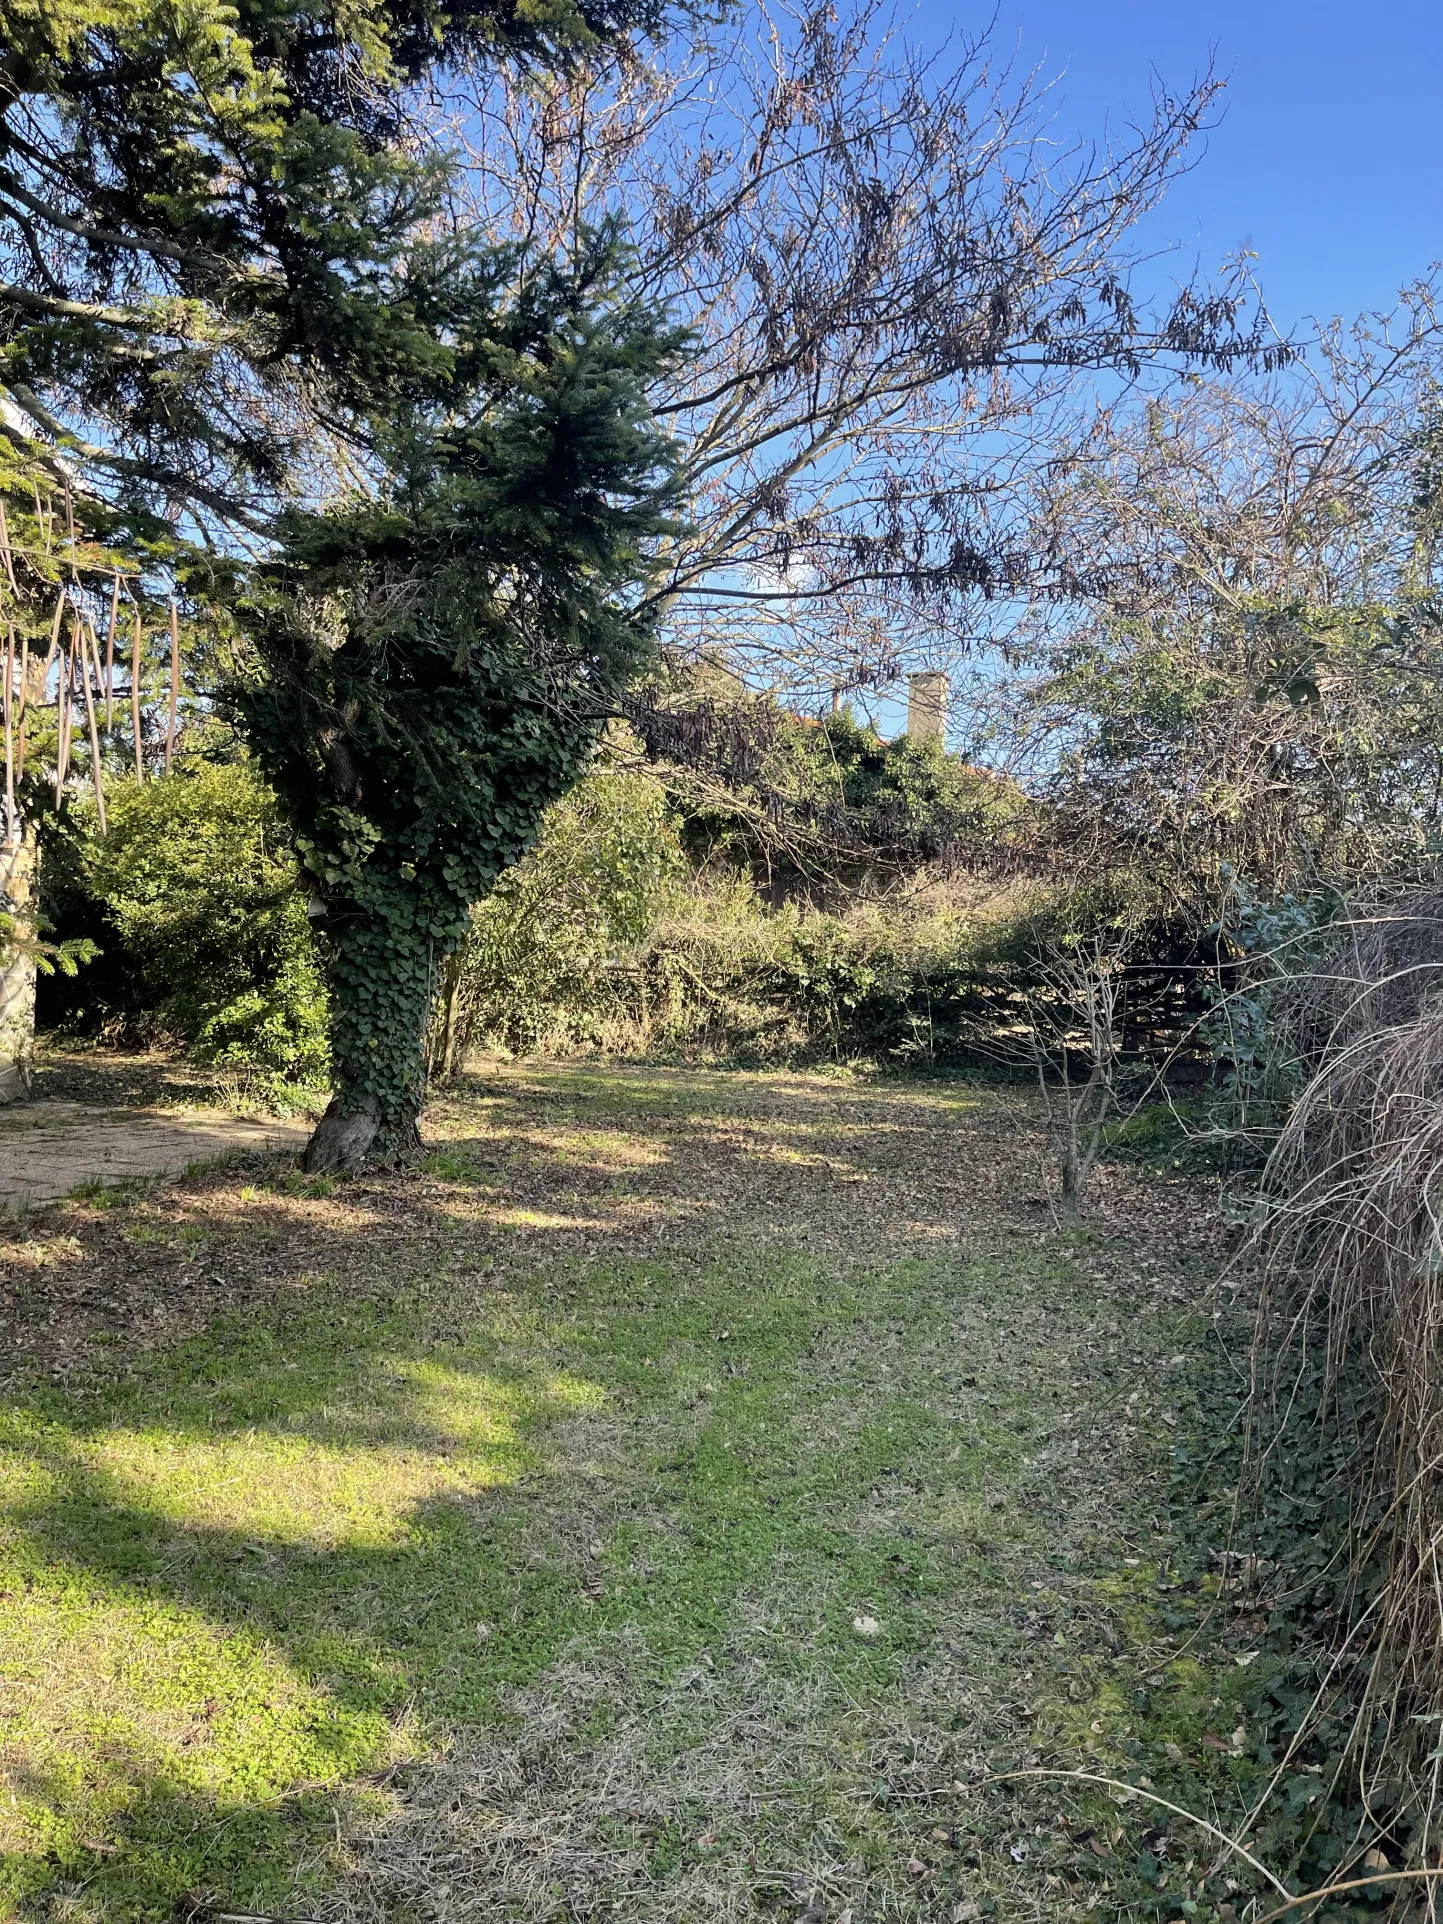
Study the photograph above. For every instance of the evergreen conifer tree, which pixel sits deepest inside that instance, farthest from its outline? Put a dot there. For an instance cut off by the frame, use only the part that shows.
(244, 326)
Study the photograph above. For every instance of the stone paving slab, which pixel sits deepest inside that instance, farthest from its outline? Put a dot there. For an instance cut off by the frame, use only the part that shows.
(49, 1149)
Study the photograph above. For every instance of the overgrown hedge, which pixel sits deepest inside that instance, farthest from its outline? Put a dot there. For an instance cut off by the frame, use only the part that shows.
(604, 937)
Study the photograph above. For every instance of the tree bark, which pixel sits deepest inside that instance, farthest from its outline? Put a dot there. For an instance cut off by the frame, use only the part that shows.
(381, 973)
(343, 1137)
(445, 1063)
(19, 878)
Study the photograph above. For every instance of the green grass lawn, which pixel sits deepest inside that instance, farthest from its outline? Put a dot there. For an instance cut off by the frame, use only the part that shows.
(669, 1503)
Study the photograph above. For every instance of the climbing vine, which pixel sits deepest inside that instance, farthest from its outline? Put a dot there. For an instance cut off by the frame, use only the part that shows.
(437, 660)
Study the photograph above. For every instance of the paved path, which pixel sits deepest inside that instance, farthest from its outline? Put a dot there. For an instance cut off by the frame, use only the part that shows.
(48, 1149)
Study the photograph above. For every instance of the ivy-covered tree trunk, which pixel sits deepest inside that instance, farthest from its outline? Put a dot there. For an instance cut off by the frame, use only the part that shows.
(381, 977)
(386, 960)
(437, 659)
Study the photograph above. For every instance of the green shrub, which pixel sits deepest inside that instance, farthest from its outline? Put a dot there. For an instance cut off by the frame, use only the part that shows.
(533, 972)
(193, 900)
(602, 939)
(925, 978)
(913, 795)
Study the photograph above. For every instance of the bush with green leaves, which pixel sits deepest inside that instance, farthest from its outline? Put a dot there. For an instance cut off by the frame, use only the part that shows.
(1279, 747)
(603, 937)
(818, 809)
(534, 967)
(193, 899)
(913, 797)
(613, 934)
(924, 978)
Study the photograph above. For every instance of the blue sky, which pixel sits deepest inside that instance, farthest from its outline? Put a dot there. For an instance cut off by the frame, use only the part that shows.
(1328, 156)
(1326, 159)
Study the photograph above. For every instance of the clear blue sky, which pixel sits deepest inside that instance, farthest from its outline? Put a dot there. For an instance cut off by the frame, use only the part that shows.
(1328, 157)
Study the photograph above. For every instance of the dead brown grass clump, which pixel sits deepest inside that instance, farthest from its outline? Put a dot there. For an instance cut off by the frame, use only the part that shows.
(1351, 1241)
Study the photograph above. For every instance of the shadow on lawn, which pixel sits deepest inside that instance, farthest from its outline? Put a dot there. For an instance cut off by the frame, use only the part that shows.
(228, 1602)
(332, 1517)
(251, 1565)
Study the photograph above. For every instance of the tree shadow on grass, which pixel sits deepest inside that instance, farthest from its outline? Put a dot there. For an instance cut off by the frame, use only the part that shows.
(280, 1556)
(221, 1589)
(324, 1518)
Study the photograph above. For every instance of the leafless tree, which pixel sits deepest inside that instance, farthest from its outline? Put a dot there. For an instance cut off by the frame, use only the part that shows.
(1076, 1010)
(1245, 680)
(893, 277)
(1311, 484)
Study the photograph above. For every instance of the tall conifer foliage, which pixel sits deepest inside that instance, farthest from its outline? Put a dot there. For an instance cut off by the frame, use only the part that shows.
(239, 311)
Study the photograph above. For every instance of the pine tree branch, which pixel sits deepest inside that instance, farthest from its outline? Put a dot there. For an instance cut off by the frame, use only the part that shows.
(107, 236)
(62, 309)
(182, 486)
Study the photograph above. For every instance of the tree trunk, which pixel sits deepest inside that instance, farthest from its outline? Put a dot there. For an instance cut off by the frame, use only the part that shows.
(343, 1137)
(446, 1042)
(1071, 1185)
(19, 877)
(381, 972)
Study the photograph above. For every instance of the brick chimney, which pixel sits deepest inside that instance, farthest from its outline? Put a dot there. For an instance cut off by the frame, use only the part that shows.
(927, 706)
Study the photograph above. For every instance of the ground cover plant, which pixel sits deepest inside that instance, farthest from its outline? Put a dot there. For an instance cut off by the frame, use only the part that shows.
(547, 1533)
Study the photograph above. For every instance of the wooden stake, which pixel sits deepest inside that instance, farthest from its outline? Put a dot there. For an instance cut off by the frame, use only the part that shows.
(24, 704)
(55, 630)
(88, 634)
(42, 521)
(174, 683)
(5, 549)
(135, 697)
(70, 532)
(71, 691)
(110, 651)
(50, 654)
(65, 712)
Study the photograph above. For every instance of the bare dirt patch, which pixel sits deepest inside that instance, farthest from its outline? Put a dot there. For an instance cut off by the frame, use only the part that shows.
(49, 1149)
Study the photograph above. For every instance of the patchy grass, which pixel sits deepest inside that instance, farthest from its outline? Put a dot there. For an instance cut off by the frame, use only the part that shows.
(671, 1502)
